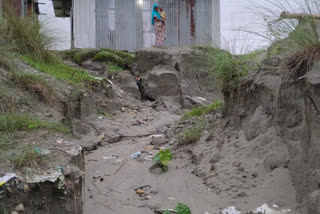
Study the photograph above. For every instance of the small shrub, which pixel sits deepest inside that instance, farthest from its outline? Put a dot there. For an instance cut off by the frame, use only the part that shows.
(109, 57)
(26, 157)
(202, 110)
(191, 135)
(37, 85)
(84, 54)
(163, 158)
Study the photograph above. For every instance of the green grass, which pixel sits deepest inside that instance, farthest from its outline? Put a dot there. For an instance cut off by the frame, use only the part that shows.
(191, 135)
(202, 110)
(83, 54)
(11, 122)
(60, 70)
(113, 69)
(128, 58)
(109, 57)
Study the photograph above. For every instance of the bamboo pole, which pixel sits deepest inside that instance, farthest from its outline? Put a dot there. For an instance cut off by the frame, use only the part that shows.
(286, 15)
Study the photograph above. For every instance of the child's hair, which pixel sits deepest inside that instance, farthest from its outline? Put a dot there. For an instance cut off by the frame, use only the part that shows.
(161, 9)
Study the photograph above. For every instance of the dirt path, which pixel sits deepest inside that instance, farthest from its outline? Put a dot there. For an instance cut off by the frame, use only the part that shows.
(112, 175)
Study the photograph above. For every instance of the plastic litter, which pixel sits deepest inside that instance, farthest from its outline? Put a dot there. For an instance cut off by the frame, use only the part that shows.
(110, 157)
(268, 210)
(231, 210)
(136, 155)
(6, 178)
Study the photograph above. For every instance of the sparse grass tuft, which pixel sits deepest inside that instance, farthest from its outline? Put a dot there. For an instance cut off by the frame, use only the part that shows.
(191, 135)
(83, 54)
(11, 122)
(113, 69)
(202, 110)
(37, 85)
(25, 157)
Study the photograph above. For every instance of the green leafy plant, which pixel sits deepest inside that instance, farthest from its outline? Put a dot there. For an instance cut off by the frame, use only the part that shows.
(183, 209)
(163, 158)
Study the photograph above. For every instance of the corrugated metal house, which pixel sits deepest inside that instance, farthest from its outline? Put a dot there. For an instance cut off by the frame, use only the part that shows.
(23, 7)
(126, 24)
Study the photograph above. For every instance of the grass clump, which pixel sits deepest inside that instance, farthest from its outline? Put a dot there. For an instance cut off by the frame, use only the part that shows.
(24, 34)
(191, 135)
(26, 157)
(226, 67)
(60, 70)
(11, 122)
(36, 84)
(202, 110)
(84, 54)
(109, 57)
(128, 58)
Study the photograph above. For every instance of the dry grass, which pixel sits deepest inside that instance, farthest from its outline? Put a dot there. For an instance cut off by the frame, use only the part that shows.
(37, 85)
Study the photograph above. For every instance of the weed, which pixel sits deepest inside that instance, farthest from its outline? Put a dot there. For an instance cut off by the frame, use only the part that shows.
(24, 34)
(202, 110)
(84, 54)
(26, 157)
(10, 122)
(191, 135)
(35, 84)
(103, 113)
(183, 209)
(60, 70)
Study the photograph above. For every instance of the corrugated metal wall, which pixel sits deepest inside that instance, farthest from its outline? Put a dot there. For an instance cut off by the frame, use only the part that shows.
(84, 23)
(126, 24)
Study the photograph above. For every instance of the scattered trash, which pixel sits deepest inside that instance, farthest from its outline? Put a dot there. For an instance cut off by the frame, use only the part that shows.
(149, 147)
(265, 209)
(275, 206)
(140, 191)
(6, 178)
(42, 151)
(136, 155)
(171, 198)
(231, 210)
(59, 141)
(19, 208)
(156, 135)
(110, 157)
(154, 192)
(137, 123)
(147, 197)
(145, 188)
(100, 117)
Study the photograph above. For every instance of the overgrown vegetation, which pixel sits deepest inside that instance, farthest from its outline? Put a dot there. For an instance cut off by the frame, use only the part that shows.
(191, 134)
(202, 110)
(163, 158)
(83, 54)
